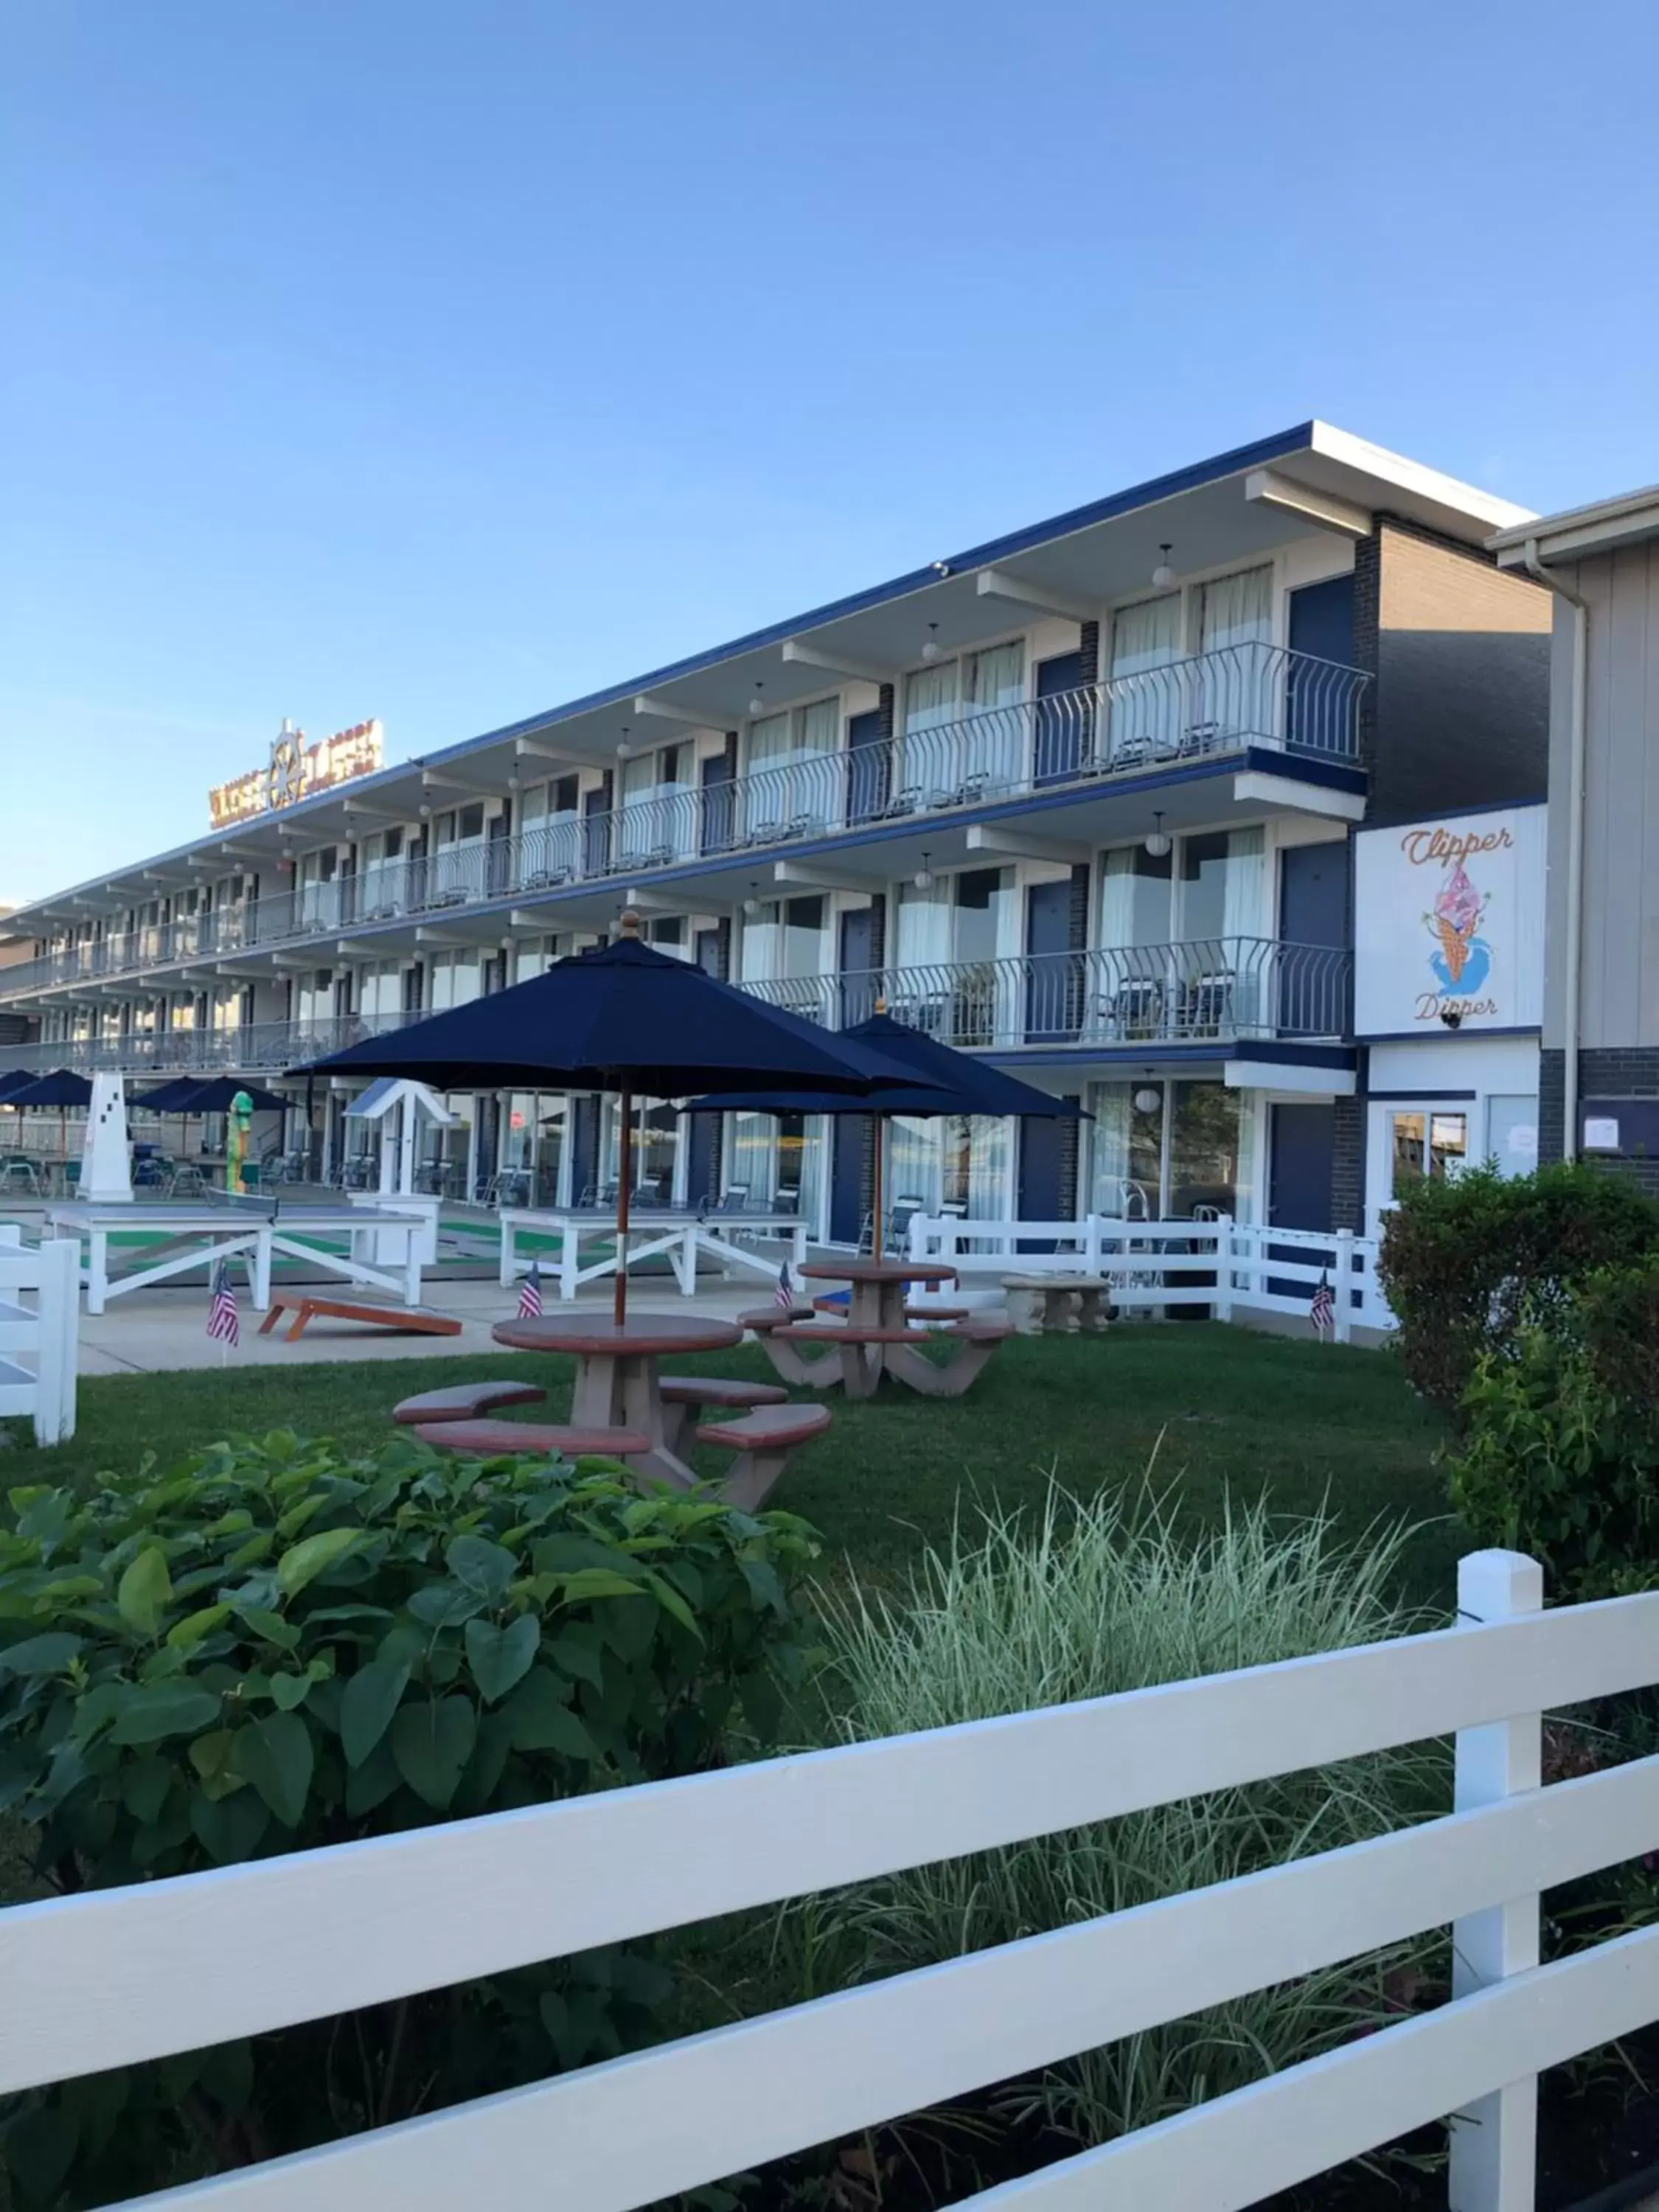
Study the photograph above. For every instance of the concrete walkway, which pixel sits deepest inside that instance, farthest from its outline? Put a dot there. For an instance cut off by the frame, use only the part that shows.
(157, 1331)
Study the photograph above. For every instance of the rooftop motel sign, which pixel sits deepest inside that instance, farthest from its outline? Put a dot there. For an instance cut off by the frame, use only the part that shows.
(296, 771)
(1448, 925)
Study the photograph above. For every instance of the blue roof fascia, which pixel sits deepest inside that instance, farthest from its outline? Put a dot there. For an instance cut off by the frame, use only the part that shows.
(1192, 478)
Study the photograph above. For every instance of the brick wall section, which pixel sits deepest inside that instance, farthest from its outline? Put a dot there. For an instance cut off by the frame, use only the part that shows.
(1551, 1100)
(1460, 653)
(1367, 599)
(1348, 1164)
(1621, 1072)
(1070, 1154)
(887, 707)
(1088, 648)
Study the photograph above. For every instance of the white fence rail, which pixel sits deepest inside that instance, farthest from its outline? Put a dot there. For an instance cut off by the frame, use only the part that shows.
(1228, 1267)
(682, 1239)
(40, 1321)
(114, 1977)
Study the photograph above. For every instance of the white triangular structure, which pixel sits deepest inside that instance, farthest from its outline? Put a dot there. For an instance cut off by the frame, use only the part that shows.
(105, 1161)
(416, 1100)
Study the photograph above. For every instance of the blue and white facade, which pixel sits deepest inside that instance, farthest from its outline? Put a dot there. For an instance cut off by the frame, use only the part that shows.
(1081, 799)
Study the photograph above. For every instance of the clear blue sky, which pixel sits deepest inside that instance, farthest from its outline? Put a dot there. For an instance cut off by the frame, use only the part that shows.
(443, 363)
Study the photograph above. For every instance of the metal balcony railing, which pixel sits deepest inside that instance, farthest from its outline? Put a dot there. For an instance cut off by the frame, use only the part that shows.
(1211, 705)
(1218, 990)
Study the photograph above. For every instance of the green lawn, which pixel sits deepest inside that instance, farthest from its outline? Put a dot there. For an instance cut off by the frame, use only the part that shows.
(1221, 1409)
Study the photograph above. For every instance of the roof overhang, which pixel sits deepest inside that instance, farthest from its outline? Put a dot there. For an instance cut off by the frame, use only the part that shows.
(1579, 534)
(1232, 508)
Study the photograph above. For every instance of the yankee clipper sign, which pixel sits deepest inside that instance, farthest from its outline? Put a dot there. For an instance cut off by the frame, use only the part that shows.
(1448, 924)
(296, 770)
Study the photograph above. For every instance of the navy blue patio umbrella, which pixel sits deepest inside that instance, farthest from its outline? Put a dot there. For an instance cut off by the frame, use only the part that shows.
(629, 1020)
(60, 1089)
(18, 1079)
(215, 1094)
(945, 1081)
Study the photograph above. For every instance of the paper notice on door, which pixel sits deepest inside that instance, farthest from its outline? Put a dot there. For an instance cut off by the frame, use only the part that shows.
(1601, 1133)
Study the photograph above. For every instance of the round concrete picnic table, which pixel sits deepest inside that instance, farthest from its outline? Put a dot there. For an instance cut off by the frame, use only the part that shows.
(876, 1338)
(617, 1377)
(877, 1285)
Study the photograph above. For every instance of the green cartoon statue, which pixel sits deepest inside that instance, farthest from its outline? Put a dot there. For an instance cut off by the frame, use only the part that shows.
(240, 1120)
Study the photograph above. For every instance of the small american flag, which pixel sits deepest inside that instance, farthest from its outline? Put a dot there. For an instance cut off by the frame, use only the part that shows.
(784, 1295)
(224, 1324)
(1322, 1312)
(530, 1297)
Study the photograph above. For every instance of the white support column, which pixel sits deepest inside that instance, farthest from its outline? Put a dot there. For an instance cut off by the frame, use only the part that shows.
(1494, 2143)
(799, 1250)
(570, 1260)
(58, 1343)
(505, 1273)
(97, 1269)
(412, 1239)
(1342, 1326)
(1224, 1268)
(258, 1269)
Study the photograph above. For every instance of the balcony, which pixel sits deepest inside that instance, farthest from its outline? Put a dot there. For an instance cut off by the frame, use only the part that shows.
(1219, 991)
(1216, 990)
(1209, 708)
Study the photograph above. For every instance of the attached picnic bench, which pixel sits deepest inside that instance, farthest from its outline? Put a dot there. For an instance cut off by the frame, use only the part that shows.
(680, 1392)
(494, 1439)
(1066, 1303)
(856, 1358)
(464, 1401)
(402, 1321)
(764, 1441)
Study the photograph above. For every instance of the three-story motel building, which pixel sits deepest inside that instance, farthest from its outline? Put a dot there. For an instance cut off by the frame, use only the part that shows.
(1080, 799)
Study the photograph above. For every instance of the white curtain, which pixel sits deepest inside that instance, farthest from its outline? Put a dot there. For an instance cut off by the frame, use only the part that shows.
(915, 1150)
(923, 936)
(1108, 1147)
(760, 947)
(1234, 629)
(820, 726)
(1146, 713)
(1242, 897)
(993, 741)
(988, 1148)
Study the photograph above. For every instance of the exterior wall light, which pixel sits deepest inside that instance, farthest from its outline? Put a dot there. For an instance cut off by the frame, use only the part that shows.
(1158, 840)
(1163, 575)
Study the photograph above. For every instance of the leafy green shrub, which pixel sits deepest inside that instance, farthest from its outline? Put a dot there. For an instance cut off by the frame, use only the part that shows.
(1559, 1459)
(1464, 1263)
(272, 1647)
(1088, 1601)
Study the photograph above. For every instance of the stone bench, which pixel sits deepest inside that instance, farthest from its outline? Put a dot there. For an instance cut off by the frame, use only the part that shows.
(464, 1401)
(678, 1394)
(1062, 1302)
(764, 1441)
(499, 1439)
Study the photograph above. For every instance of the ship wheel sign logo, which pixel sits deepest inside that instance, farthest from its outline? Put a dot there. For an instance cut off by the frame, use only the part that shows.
(288, 768)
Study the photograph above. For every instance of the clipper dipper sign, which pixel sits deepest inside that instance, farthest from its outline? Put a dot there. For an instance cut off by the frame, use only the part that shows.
(1448, 925)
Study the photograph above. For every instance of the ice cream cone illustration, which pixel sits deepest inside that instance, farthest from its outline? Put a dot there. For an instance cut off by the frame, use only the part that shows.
(1453, 924)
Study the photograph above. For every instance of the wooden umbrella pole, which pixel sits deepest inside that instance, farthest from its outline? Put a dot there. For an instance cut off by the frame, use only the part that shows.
(625, 1150)
(878, 1238)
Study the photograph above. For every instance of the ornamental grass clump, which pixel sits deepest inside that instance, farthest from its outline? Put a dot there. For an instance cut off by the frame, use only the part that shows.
(1088, 1599)
(275, 1646)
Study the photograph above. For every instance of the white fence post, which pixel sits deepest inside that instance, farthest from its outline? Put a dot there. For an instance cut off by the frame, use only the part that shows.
(1342, 1325)
(1494, 2143)
(1223, 1268)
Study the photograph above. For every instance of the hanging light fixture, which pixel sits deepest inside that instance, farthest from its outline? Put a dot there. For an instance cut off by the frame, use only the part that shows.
(1163, 575)
(1147, 1100)
(923, 877)
(931, 650)
(757, 705)
(1158, 840)
(751, 905)
(624, 749)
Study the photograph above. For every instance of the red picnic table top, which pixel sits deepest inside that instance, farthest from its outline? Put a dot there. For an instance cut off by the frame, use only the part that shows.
(878, 1271)
(641, 1336)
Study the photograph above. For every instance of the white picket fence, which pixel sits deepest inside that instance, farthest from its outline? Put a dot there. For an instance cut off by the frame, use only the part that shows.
(109, 1977)
(39, 1333)
(1229, 1267)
